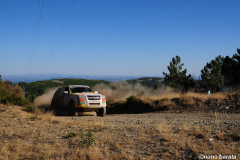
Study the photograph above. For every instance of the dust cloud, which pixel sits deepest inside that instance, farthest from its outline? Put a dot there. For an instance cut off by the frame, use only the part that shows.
(117, 91)
(45, 100)
(122, 90)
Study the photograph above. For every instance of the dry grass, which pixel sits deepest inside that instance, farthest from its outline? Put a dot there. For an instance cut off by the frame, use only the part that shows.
(178, 102)
(168, 96)
(199, 140)
(190, 95)
(43, 136)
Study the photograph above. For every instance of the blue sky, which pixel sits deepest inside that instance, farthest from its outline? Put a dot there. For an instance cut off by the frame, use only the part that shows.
(115, 37)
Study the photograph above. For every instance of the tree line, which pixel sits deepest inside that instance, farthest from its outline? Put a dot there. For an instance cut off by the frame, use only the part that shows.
(216, 73)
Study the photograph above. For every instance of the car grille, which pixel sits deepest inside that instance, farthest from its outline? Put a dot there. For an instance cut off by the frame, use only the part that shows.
(93, 97)
(94, 104)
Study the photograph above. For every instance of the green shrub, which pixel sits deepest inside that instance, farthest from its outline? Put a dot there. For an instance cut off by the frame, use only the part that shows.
(188, 102)
(171, 106)
(87, 139)
(164, 100)
(31, 98)
(131, 99)
(236, 134)
(30, 108)
(10, 94)
(71, 134)
(33, 118)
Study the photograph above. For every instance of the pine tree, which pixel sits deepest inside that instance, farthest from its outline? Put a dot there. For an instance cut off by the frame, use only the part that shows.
(236, 67)
(212, 74)
(229, 70)
(176, 77)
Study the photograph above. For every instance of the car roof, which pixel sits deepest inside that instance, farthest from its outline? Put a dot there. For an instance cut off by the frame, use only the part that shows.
(73, 86)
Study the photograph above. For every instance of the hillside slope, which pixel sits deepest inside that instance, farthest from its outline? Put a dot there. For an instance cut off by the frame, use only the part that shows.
(149, 81)
(38, 88)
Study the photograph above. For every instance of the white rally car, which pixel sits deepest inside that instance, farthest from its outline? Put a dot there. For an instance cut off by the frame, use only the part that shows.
(79, 98)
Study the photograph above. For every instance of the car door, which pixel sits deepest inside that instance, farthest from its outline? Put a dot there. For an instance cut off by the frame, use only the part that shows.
(61, 98)
(56, 96)
(66, 96)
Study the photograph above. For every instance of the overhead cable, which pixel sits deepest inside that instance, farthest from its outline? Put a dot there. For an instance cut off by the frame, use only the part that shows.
(56, 39)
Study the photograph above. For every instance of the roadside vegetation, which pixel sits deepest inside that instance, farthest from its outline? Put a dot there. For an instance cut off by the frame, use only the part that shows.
(13, 95)
(177, 103)
(44, 136)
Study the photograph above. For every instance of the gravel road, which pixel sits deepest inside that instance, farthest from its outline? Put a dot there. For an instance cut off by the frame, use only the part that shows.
(148, 119)
(131, 127)
(121, 136)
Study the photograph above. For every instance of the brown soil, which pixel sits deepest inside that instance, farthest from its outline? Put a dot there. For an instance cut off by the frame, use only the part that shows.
(117, 136)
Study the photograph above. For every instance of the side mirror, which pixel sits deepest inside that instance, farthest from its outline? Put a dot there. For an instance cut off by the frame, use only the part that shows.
(96, 92)
(65, 92)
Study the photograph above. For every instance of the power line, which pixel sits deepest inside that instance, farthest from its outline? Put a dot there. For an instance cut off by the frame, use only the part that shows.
(40, 33)
(56, 40)
(32, 41)
(33, 55)
(42, 27)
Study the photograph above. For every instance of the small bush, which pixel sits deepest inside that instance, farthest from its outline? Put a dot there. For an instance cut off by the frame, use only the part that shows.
(31, 98)
(33, 118)
(171, 106)
(188, 102)
(131, 99)
(71, 134)
(164, 100)
(30, 108)
(236, 134)
(176, 100)
(237, 96)
(10, 94)
(199, 101)
(87, 139)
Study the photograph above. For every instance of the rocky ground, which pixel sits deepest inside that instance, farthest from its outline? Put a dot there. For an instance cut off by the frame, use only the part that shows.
(117, 136)
(148, 120)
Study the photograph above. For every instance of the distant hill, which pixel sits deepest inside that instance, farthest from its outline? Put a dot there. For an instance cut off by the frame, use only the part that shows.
(38, 88)
(149, 81)
(37, 77)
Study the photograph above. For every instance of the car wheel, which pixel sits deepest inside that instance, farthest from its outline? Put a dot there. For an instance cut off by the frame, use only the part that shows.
(101, 112)
(72, 109)
(55, 108)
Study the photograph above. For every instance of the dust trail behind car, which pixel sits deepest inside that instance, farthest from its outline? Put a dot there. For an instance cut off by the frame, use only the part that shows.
(117, 90)
(122, 90)
(45, 100)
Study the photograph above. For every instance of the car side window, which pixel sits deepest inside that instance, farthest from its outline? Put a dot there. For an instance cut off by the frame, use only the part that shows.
(66, 89)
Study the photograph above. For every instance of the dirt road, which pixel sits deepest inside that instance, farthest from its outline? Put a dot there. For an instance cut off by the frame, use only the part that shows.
(119, 136)
(214, 120)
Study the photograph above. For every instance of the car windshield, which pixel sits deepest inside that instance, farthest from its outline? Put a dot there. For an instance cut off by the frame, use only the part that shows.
(81, 89)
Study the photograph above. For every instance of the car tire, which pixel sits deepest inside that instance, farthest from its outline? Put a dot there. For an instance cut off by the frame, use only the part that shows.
(55, 108)
(72, 109)
(101, 112)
